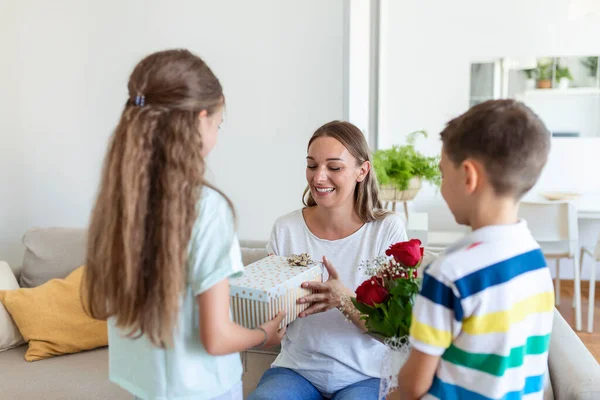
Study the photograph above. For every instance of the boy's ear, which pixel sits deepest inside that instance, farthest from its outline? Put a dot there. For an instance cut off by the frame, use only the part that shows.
(472, 175)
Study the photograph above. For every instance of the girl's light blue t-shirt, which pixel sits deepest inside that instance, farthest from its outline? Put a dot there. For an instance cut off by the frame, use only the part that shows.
(186, 371)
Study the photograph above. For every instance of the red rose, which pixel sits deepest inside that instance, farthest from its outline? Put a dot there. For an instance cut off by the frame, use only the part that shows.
(408, 253)
(371, 292)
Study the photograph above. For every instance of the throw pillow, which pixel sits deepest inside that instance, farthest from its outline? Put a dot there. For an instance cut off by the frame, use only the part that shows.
(252, 255)
(9, 333)
(52, 319)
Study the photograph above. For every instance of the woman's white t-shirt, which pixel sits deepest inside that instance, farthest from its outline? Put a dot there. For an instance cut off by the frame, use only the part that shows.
(324, 348)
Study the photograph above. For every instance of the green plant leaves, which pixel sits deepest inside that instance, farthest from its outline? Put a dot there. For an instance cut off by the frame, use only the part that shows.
(591, 63)
(396, 306)
(392, 318)
(404, 288)
(544, 70)
(362, 307)
(381, 325)
(398, 165)
(563, 72)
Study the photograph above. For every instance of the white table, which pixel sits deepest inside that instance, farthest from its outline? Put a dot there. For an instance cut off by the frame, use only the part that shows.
(443, 239)
(588, 206)
(416, 226)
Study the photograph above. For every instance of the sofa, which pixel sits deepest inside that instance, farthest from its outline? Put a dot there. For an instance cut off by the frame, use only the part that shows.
(54, 252)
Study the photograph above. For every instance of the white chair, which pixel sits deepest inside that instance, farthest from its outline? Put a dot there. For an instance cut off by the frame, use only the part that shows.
(554, 226)
(443, 239)
(592, 291)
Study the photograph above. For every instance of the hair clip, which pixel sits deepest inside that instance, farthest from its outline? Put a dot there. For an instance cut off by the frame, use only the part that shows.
(140, 101)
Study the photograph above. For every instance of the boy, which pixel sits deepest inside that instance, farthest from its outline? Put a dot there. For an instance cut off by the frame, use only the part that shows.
(481, 324)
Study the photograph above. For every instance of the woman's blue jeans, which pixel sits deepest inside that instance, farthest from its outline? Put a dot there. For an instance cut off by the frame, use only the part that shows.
(282, 383)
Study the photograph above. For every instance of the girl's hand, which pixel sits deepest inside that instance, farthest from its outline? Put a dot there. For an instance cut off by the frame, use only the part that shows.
(274, 334)
(329, 293)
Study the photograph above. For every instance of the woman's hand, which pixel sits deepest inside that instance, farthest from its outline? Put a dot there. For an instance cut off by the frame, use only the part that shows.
(328, 294)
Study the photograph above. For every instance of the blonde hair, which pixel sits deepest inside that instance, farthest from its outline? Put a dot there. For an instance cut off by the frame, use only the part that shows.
(147, 202)
(366, 193)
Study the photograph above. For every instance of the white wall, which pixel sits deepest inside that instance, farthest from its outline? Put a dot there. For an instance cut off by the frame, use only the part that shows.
(566, 112)
(427, 48)
(63, 79)
(359, 64)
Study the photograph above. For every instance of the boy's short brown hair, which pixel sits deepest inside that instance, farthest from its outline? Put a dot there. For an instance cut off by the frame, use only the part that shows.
(505, 135)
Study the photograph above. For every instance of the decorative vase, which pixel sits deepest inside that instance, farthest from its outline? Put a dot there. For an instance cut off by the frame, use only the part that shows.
(563, 83)
(544, 84)
(530, 84)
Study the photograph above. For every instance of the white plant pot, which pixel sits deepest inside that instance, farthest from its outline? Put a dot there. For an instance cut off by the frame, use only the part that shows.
(530, 84)
(563, 83)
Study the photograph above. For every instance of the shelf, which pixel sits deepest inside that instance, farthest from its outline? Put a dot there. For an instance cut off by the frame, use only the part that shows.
(563, 92)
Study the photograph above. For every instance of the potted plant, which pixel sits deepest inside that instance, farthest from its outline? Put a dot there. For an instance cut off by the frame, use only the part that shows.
(591, 63)
(530, 78)
(544, 74)
(563, 76)
(401, 169)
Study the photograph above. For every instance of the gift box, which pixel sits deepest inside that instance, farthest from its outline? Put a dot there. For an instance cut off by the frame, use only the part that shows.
(268, 286)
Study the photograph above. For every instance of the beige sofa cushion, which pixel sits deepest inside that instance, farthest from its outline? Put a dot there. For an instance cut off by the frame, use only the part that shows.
(55, 252)
(574, 372)
(253, 250)
(51, 253)
(255, 364)
(9, 333)
(251, 255)
(69, 377)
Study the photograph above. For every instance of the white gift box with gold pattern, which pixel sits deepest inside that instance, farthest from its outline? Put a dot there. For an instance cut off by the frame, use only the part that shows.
(268, 286)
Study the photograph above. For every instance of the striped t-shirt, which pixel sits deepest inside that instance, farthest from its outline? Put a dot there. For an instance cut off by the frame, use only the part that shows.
(486, 307)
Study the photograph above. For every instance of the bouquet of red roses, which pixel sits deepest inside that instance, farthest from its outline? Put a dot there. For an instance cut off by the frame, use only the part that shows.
(386, 299)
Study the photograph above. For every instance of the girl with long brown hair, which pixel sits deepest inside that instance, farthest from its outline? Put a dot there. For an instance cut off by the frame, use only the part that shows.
(162, 243)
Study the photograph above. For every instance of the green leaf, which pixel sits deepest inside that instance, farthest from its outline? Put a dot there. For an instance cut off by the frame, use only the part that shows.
(408, 308)
(397, 306)
(418, 282)
(396, 313)
(381, 326)
(405, 287)
(591, 63)
(363, 308)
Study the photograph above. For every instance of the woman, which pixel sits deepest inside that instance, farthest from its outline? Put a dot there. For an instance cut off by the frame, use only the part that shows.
(343, 224)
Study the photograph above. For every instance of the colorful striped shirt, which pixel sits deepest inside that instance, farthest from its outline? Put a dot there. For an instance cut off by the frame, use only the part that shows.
(486, 307)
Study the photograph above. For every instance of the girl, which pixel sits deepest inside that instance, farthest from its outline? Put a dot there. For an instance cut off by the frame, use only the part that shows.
(343, 223)
(162, 245)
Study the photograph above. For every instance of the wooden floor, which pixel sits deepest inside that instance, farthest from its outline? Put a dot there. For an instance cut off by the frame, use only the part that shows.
(591, 340)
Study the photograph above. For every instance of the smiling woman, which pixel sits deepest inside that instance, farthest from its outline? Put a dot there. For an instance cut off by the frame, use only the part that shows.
(338, 153)
(343, 223)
